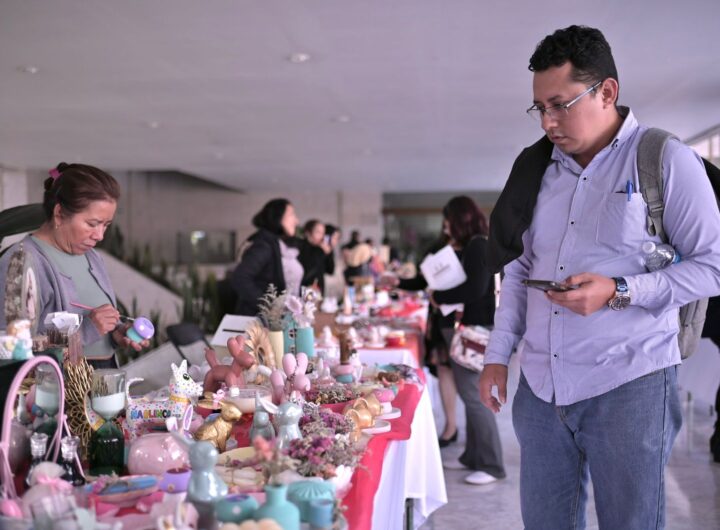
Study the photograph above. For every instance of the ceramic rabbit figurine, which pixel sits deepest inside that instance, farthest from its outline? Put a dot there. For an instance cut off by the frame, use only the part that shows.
(261, 425)
(205, 484)
(218, 431)
(287, 417)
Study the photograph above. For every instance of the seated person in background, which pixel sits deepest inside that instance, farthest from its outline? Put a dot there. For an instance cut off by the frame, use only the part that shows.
(268, 258)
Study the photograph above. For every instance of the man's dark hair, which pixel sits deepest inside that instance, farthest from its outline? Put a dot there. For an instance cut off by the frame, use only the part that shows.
(585, 48)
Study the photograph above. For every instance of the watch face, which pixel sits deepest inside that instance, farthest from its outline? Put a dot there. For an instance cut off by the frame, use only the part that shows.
(619, 302)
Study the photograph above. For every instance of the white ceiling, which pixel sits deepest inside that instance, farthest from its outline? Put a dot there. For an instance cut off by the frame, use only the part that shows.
(435, 90)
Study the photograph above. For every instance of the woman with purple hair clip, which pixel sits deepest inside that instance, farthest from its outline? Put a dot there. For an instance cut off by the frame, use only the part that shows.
(79, 204)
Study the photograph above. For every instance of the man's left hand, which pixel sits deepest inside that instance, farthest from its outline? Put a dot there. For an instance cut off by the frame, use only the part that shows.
(594, 292)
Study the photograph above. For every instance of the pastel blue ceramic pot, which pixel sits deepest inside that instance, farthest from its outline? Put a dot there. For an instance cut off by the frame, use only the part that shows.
(278, 508)
(303, 492)
(305, 341)
(235, 508)
(321, 514)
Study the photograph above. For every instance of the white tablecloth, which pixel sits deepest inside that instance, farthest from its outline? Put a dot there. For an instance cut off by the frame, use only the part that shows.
(412, 469)
(386, 355)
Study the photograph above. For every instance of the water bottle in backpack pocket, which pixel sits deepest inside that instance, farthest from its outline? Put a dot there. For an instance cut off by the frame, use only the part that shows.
(657, 256)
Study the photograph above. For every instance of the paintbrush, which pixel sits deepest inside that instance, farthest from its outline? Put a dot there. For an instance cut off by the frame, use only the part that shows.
(123, 318)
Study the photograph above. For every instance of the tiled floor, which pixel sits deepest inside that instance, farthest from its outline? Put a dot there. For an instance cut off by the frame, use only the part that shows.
(692, 481)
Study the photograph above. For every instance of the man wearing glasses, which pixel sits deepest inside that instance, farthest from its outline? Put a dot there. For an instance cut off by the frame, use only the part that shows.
(598, 389)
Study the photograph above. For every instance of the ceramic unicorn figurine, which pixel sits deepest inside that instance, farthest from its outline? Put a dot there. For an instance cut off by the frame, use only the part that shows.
(153, 413)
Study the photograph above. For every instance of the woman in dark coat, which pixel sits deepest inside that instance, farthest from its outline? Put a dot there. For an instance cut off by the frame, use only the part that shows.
(268, 257)
(438, 334)
(467, 229)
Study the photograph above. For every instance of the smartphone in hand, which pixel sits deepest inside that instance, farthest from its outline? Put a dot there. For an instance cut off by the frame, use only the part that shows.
(548, 285)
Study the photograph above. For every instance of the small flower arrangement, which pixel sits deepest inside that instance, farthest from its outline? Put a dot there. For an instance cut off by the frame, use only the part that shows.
(302, 308)
(319, 455)
(332, 393)
(324, 421)
(272, 460)
(272, 309)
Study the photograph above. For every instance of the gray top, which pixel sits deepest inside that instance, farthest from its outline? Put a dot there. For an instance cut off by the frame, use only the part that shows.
(58, 289)
(89, 293)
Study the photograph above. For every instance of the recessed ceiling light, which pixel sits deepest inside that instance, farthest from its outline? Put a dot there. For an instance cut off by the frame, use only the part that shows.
(28, 69)
(152, 124)
(343, 118)
(299, 58)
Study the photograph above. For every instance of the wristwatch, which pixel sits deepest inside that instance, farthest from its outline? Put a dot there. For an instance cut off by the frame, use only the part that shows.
(622, 295)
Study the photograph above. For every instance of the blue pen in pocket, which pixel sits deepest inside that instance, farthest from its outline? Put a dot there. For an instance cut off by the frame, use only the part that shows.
(629, 189)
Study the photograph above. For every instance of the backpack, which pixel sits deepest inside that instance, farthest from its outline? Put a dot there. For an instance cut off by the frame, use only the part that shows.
(650, 175)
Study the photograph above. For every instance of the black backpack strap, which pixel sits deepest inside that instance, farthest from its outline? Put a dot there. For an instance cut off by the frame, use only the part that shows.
(650, 176)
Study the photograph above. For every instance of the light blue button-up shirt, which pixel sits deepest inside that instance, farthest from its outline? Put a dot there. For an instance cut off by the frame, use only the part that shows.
(584, 222)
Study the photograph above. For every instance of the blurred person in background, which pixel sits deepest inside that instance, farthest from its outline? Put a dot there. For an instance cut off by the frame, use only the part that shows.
(467, 228)
(268, 257)
(314, 250)
(439, 330)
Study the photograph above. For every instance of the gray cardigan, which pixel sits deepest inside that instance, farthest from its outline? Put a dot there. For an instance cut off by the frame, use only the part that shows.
(56, 289)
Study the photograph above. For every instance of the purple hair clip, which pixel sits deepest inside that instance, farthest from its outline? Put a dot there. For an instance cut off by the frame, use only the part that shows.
(54, 173)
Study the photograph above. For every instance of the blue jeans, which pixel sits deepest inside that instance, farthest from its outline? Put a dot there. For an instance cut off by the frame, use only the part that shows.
(622, 439)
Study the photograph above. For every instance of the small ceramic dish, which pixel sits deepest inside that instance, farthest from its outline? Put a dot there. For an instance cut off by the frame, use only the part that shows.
(379, 427)
(126, 491)
(394, 413)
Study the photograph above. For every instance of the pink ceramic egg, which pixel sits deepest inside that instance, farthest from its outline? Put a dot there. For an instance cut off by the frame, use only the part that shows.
(384, 395)
(156, 453)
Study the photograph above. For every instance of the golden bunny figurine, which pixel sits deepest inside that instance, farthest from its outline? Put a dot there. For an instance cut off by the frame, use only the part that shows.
(218, 431)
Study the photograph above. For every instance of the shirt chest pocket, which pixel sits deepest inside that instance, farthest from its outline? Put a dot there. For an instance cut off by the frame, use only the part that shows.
(621, 223)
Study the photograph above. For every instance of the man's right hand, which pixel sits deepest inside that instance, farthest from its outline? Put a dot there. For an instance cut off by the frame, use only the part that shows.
(493, 375)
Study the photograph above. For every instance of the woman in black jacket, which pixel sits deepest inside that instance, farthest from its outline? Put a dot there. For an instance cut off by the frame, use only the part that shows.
(438, 333)
(467, 229)
(268, 257)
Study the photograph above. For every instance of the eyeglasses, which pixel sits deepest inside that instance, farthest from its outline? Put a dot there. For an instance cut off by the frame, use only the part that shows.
(559, 111)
